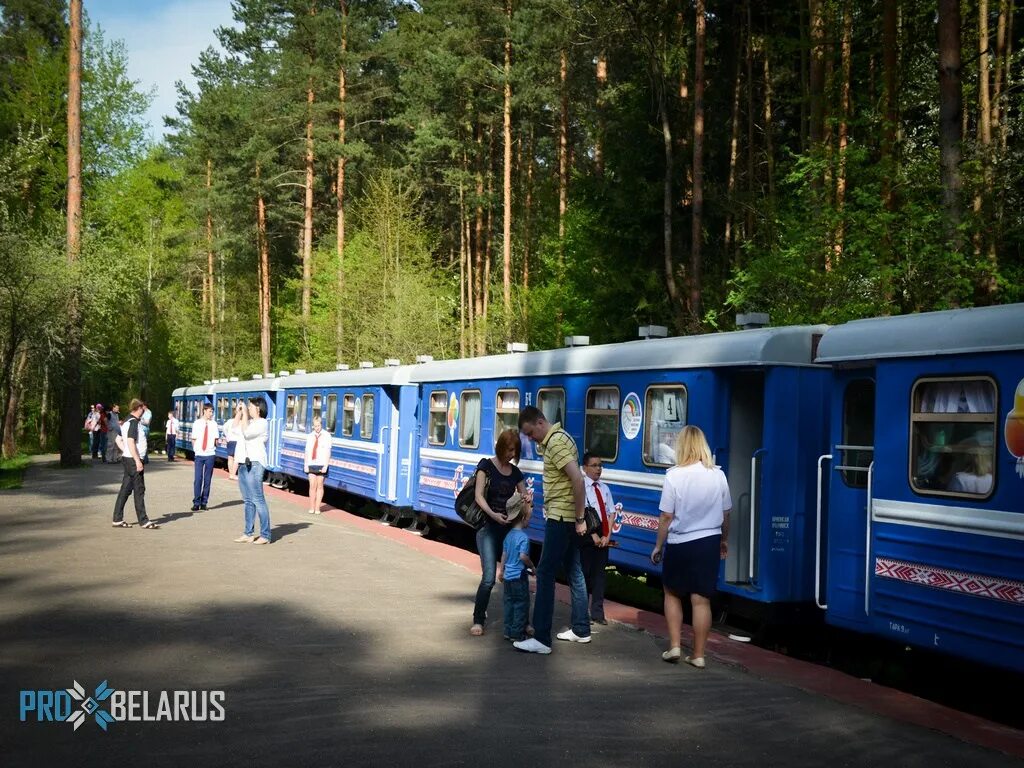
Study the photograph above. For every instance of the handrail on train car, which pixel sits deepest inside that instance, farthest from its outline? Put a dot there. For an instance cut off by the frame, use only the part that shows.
(753, 507)
(408, 474)
(380, 468)
(867, 544)
(817, 539)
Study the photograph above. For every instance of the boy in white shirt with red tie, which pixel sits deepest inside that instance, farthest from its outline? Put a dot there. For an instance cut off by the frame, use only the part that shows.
(594, 547)
(205, 434)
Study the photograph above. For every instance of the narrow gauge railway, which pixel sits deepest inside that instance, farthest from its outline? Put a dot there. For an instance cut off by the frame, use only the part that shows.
(875, 466)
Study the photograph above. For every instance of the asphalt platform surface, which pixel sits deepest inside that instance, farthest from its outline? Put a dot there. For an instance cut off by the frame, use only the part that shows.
(346, 643)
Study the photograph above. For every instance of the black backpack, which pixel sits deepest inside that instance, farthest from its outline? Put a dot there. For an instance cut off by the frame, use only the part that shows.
(466, 506)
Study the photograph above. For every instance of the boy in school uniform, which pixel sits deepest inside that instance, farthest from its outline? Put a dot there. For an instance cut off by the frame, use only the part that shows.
(205, 434)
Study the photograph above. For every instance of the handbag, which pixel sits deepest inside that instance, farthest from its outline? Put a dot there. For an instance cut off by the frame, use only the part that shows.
(592, 519)
(466, 506)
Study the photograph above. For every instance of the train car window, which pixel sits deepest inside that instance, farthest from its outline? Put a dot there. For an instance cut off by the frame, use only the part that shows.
(552, 404)
(222, 409)
(289, 419)
(858, 432)
(438, 418)
(348, 417)
(300, 414)
(665, 416)
(953, 431)
(506, 411)
(469, 419)
(601, 427)
(178, 412)
(366, 428)
(317, 407)
(332, 413)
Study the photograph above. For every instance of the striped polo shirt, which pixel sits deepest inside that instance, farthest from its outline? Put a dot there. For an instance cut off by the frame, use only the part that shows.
(559, 449)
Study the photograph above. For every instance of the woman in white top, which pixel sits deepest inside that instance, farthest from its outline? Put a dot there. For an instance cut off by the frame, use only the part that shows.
(250, 474)
(695, 506)
(316, 462)
(233, 435)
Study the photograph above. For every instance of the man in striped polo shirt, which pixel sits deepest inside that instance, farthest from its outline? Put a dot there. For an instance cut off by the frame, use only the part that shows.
(564, 523)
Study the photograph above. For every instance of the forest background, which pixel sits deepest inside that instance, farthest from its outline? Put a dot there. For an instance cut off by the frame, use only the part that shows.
(365, 179)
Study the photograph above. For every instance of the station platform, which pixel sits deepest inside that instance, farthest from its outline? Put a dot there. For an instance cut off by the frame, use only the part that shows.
(346, 643)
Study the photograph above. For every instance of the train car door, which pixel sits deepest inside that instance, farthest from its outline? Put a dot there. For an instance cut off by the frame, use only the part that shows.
(842, 576)
(387, 478)
(746, 438)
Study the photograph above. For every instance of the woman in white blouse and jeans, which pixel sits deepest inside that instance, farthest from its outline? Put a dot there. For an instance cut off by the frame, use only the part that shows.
(250, 473)
(695, 506)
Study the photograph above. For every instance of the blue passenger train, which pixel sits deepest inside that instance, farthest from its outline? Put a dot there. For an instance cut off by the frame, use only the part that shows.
(875, 466)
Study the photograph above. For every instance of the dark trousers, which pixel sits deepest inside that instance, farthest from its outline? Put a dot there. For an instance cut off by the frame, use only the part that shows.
(94, 444)
(134, 483)
(517, 607)
(171, 446)
(594, 560)
(203, 478)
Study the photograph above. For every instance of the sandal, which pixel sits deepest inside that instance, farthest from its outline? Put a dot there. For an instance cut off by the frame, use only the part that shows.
(121, 524)
(476, 630)
(695, 661)
(151, 526)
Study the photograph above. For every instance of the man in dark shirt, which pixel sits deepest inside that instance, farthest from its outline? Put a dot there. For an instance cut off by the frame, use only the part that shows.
(133, 438)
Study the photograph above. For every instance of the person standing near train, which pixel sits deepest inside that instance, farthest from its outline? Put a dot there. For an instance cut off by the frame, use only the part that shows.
(250, 473)
(171, 434)
(317, 460)
(205, 434)
(594, 547)
(501, 478)
(564, 523)
(695, 506)
(113, 428)
(133, 438)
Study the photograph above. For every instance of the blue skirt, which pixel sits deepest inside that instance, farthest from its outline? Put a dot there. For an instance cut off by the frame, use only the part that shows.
(692, 567)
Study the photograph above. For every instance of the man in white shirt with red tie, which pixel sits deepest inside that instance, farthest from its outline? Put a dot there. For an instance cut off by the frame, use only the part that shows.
(205, 433)
(594, 548)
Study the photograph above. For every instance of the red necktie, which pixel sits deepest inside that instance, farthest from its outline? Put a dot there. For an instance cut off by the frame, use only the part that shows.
(206, 435)
(316, 439)
(604, 512)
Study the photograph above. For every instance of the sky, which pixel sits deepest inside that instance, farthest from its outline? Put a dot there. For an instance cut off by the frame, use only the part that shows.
(163, 40)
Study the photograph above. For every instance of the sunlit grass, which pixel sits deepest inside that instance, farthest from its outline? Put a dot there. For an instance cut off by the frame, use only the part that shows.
(12, 471)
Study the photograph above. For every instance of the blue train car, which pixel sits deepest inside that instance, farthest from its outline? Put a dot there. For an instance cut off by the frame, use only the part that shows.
(188, 405)
(371, 416)
(225, 393)
(756, 394)
(922, 510)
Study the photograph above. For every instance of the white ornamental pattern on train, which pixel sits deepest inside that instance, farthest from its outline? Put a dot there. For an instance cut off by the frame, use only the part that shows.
(1007, 590)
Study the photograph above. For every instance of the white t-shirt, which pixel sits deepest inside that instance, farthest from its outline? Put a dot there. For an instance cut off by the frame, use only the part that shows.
(697, 498)
(131, 427)
(256, 441)
(172, 426)
(323, 450)
(199, 428)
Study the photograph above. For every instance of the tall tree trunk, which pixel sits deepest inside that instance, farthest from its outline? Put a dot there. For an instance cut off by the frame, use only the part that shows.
(696, 258)
(17, 388)
(488, 237)
(769, 144)
(471, 270)
(506, 182)
(71, 400)
(307, 211)
(734, 144)
(528, 213)
(890, 40)
(339, 329)
(602, 84)
(816, 75)
(44, 406)
(209, 285)
(844, 116)
(478, 271)
(982, 233)
(805, 69)
(563, 154)
(264, 270)
(950, 109)
(751, 175)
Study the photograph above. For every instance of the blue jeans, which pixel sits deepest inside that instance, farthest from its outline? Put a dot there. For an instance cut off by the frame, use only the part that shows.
(203, 478)
(251, 482)
(489, 540)
(561, 547)
(517, 607)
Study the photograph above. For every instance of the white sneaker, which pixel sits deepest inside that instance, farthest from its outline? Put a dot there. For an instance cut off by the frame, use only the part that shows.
(572, 637)
(532, 645)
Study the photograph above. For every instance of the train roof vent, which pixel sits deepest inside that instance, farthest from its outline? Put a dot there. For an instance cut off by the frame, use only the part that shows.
(366, 364)
(652, 332)
(233, 378)
(748, 320)
(257, 376)
(392, 362)
(341, 367)
(424, 358)
(207, 382)
(223, 381)
(517, 346)
(282, 373)
(577, 341)
(300, 371)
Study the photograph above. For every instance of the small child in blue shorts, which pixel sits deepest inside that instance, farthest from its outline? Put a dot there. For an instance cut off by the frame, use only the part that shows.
(514, 570)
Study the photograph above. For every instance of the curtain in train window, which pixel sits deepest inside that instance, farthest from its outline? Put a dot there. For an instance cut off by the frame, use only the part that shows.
(601, 428)
(438, 418)
(317, 407)
(552, 404)
(300, 414)
(506, 411)
(469, 420)
(290, 413)
(366, 428)
(664, 417)
(348, 417)
(332, 413)
(953, 437)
